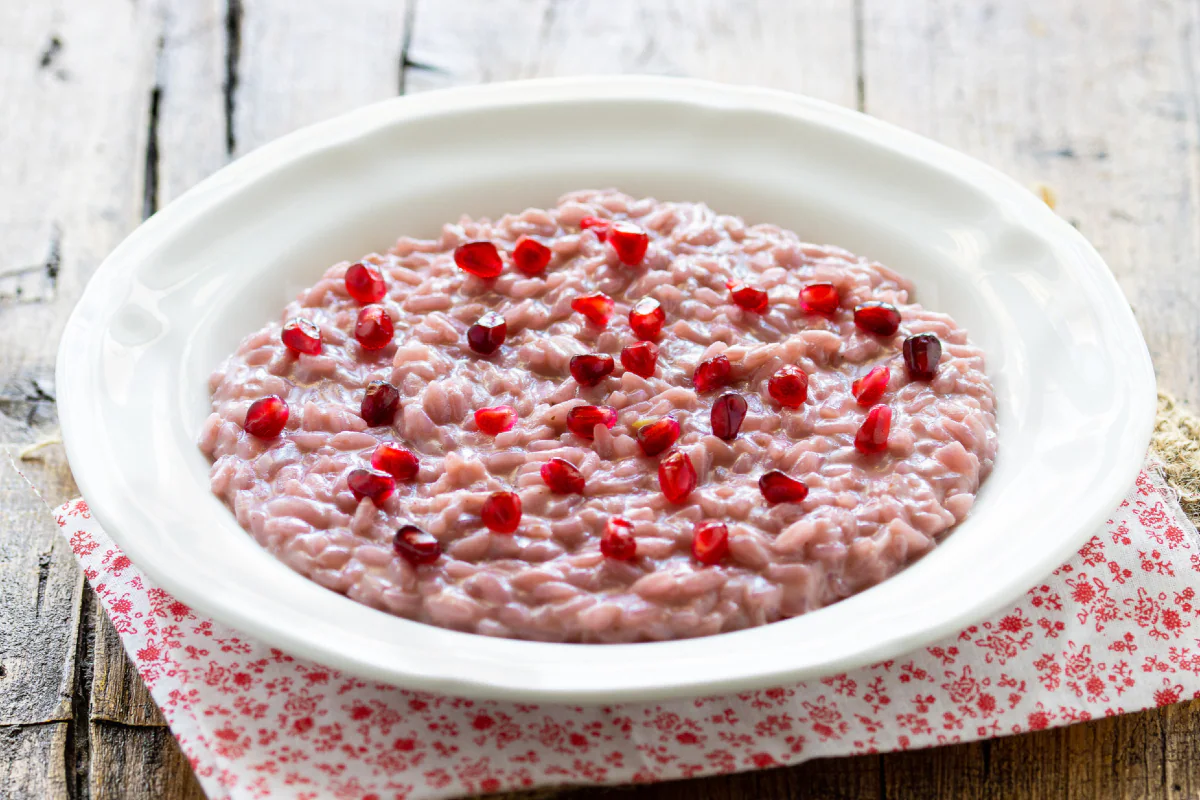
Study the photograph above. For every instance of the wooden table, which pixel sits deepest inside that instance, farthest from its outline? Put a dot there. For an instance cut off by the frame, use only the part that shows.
(111, 108)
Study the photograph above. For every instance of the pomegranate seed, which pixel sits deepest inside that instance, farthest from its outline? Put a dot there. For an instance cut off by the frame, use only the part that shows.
(589, 370)
(373, 330)
(658, 436)
(727, 415)
(647, 318)
(617, 542)
(789, 386)
(365, 284)
(779, 488)
(496, 420)
(486, 335)
(596, 307)
(876, 317)
(640, 358)
(921, 355)
(710, 542)
(676, 476)
(531, 256)
(870, 387)
(266, 417)
(872, 437)
(481, 259)
(711, 374)
(301, 337)
(595, 225)
(372, 483)
(748, 297)
(416, 546)
(380, 403)
(819, 298)
(582, 420)
(562, 477)
(396, 461)
(629, 241)
(502, 512)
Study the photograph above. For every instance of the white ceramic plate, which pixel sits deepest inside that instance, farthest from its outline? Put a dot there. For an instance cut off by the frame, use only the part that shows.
(1072, 375)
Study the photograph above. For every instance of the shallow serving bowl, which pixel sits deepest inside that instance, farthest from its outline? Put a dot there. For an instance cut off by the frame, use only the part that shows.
(1073, 379)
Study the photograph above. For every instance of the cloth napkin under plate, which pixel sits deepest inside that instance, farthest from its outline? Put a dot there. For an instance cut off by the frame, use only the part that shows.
(1116, 629)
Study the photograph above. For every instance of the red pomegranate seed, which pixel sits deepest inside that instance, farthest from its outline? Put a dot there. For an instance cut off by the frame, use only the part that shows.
(582, 420)
(380, 403)
(748, 297)
(629, 241)
(266, 417)
(595, 225)
(486, 335)
(617, 542)
(496, 420)
(531, 256)
(819, 298)
(502, 512)
(789, 386)
(727, 415)
(301, 337)
(396, 461)
(921, 355)
(647, 318)
(658, 436)
(596, 307)
(589, 370)
(640, 358)
(416, 546)
(373, 330)
(876, 317)
(562, 477)
(365, 284)
(777, 487)
(676, 476)
(481, 259)
(372, 483)
(870, 387)
(710, 542)
(872, 437)
(711, 374)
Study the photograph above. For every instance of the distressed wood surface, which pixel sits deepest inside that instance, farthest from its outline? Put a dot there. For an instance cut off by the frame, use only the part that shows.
(114, 108)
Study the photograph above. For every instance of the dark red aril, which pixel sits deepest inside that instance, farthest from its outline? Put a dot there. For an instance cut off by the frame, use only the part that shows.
(380, 403)
(301, 336)
(582, 420)
(820, 298)
(629, 241)
(562, 477)
(396, 461)
(373, 330)
(868, 389)
(416, 546)
(531, 256)
(502, 512)
(640, 358)
(658, 436)
(748, 297)
(589, 370)
(373, 483)
(365, 284)
(598, 307)
(486, 335)
(617, 542)
(872, 437)
(711, 374)
(481, 259)
(676, 476)
(266, 417)
(875, 317)
(647, 318)
(710, 543)
(776, 487)
(595, 225)
(921, 355)
(727, 415)
(496, 420)
(789, 386)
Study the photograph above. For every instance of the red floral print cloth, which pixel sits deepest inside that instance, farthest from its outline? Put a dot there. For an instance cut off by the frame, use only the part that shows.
(1116, 629)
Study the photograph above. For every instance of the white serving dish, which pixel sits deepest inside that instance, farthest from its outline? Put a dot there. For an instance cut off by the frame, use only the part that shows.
(1073, 378)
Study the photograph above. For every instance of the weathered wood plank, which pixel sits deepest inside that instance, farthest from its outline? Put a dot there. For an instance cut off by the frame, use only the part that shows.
(132, 763)
(33, 761)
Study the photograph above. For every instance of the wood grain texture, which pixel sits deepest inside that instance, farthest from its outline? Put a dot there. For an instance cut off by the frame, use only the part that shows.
(33, 761)
(138, 764)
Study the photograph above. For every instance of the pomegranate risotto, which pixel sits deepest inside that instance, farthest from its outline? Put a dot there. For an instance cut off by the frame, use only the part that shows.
(615, 420)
